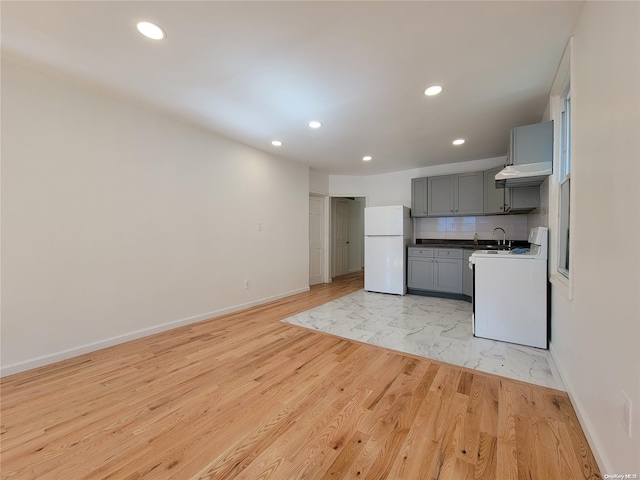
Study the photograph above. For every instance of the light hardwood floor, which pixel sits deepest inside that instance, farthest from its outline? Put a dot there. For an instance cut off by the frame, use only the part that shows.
(247, 396)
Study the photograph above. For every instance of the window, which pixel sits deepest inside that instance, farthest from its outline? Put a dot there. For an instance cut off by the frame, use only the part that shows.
(565, 183)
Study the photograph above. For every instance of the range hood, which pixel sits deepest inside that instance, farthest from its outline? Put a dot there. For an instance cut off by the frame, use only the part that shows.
(524, 175)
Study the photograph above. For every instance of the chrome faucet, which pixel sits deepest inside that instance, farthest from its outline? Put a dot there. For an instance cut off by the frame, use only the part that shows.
(504, 235)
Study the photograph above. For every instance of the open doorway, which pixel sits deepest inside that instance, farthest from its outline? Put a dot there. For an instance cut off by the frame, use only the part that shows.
(347, 235)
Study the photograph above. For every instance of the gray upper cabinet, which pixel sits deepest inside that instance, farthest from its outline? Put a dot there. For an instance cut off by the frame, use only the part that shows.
(468, 194)
(521, 199)
(531, 144)
(460, 194)
(440, 195)
(419, 197)
(493, 197)
(508, 200)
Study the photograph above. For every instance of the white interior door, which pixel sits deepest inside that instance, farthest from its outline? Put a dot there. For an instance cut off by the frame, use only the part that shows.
(316, 239)
(341, 237)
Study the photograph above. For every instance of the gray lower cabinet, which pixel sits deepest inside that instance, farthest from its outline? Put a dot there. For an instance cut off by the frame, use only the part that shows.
(420, 268)
(460, 194)
(420, 273)
(467, 274)
(435, 269)
(448, 275)
(419, 197)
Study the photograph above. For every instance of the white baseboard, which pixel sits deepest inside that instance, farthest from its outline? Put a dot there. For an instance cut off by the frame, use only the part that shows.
(25, 365)
(583, 418)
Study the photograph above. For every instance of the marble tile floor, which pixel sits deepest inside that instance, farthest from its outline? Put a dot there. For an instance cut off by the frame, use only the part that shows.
(430, 327)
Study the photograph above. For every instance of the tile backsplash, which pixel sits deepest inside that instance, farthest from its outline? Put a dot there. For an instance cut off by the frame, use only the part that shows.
(464, 228)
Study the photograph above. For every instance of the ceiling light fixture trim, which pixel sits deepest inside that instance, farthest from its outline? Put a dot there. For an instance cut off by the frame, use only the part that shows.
(314, 124)
(151, 30)
(433, 90)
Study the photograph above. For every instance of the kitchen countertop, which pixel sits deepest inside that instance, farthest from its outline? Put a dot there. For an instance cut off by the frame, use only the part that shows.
(466, 244)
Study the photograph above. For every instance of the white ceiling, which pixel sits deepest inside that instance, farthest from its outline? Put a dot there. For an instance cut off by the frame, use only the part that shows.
(259, 71)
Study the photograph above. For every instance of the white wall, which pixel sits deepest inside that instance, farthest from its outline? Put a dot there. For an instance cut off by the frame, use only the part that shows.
(318, 182)
(118, 221)
(395, 188)
(595, 336)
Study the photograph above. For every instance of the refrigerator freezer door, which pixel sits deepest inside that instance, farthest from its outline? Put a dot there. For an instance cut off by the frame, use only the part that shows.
(385, 265)
(385, 220)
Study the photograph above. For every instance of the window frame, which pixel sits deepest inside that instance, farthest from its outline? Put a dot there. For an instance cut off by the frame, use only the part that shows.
(562, 282)
(563, 265)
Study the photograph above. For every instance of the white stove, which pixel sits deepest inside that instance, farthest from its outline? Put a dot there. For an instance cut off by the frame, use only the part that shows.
(510, 292)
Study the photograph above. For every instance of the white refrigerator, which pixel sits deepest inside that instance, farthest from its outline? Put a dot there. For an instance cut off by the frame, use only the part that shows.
(387, 233)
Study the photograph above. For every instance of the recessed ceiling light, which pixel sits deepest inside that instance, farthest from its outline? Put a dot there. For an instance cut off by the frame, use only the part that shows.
(367, 158)
(151, 30)
(433, 90)
(459, 141)
(315, 124)
(276, 143)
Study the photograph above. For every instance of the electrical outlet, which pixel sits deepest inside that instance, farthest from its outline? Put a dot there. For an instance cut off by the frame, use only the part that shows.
(259, 226)
(247, 284)
(626, 413)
